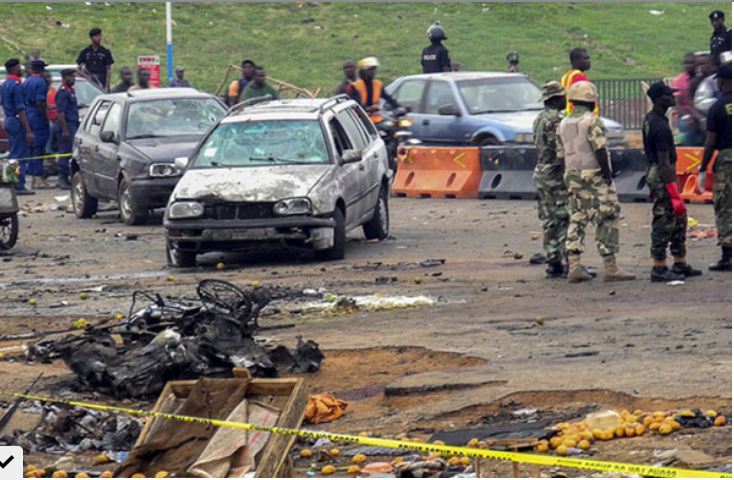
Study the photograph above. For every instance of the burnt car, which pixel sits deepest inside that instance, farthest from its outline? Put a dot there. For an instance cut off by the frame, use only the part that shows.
(125, 148)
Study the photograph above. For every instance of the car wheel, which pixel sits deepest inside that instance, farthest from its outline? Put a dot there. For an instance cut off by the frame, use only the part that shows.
(84, 204)
(8, 231)
(130, 213)
(487, 140)
(379, 227)
(336, 252)
(178, 258)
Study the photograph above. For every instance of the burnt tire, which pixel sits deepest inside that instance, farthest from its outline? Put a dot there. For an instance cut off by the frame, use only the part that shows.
(336, 252)
(378, 228)
(130, 213)
(84, 204)
(8, 231)
(179, 258)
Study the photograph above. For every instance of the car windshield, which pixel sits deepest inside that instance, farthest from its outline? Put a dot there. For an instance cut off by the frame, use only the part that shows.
(85, 92)
(264, 142)
(172, 117)
(489, 95)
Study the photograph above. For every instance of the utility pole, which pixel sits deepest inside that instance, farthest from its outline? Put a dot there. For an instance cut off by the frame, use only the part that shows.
(169, 40)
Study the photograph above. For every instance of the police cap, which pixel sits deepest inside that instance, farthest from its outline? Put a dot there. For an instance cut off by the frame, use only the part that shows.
(716, 14)
(38, 63)
(658, 89)
(13, 62)
(724, 71)
(552, 89)
(95, 31)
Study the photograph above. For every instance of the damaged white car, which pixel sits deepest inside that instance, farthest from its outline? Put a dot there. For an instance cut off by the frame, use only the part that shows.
(295, 172)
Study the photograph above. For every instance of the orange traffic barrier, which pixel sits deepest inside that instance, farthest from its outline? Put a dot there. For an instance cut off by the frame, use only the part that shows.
(438, 172)
(686, 168)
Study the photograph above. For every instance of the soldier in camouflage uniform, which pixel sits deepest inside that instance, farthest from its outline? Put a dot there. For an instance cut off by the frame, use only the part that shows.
(588, 177)
(548, 178)
(718, 137)
(669, 219)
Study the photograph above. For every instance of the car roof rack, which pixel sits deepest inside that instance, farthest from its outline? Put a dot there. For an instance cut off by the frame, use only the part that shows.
(248, 103)
(333, 101)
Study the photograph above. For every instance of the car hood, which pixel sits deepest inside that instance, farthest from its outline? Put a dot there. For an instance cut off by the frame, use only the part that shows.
(165, 150)
(522, 121)
(250, 184)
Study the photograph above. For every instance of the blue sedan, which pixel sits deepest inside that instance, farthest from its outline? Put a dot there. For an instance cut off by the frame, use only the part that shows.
(476, 108)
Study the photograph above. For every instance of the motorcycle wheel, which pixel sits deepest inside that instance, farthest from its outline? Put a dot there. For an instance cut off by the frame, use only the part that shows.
(8, 231)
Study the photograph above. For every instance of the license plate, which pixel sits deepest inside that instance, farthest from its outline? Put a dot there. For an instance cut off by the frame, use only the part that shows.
(248, 233)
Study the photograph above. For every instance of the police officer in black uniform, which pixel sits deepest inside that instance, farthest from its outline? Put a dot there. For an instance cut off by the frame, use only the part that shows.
(435, 58)
(721, 36)
(97, 59)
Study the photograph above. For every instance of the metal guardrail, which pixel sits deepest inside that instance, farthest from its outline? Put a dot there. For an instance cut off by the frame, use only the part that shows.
(624, 101)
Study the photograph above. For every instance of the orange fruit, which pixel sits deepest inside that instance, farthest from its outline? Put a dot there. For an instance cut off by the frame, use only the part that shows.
(472, 443)
(359, 458)
(584, 445)
(629, 431)
(569, 443)
(454, 461)
(354, 470)
(608, 434)
(541, 447)
(328, 470)
(647, 421)
(59, 474)
(675, 425)
(655, 426)
(106, 474)
(665, 429)
(598, 434)
(138, 475)
(720, 421)
(555, 442)
(562, 450)
(439, 442)
(466, 461)
(335, 452)
(639, 429)
(711, 413)
(81, 475)
(619, 432)
(306, 453)
(161, 474)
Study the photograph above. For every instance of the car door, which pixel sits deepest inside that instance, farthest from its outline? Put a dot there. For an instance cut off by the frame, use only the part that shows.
(443, 129)
(89, 148)
(410, 94)
(374, 157)
(107, 158)
(363, 183)
(349, 173)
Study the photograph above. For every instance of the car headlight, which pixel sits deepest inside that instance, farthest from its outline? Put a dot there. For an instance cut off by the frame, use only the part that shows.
(185, 210)
(292, 206)
(163, 170)
(405, 123)
(524, 138)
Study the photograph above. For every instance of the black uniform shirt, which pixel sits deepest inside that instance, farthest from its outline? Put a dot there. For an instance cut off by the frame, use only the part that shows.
(720, 42)
(657, 137)
(719, 121)
(96, 62)
(435, 59)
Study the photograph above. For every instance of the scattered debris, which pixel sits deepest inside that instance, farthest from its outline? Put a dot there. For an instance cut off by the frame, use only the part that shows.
(537, 259)
(324, 408)
(176, 339)
(369, 303)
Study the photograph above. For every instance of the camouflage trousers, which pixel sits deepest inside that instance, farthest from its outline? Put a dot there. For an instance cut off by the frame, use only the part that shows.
(667, 229)
(722, 197)
(552, 210)
(591, 200)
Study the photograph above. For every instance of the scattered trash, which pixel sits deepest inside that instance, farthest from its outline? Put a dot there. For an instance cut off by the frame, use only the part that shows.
(676, 283)
(537, 259)
(324, 408)
(524, 412)
(692, 222)
(172, 339)
(657, 13)
(369, 303)
(432, 262)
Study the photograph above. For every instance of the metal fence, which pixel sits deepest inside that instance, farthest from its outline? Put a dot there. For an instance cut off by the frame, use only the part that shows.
(624, 101)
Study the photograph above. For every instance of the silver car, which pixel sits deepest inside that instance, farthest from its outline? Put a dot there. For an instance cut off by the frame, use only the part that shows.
(294, 172)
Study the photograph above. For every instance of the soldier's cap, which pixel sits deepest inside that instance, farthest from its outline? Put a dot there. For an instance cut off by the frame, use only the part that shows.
(13, 62)
(38, 63)
(582, 92)
(180, 69)
(95, 31)
(68, 72)
(724, 71)
(658, 89)
(716, 14)
(552, 89)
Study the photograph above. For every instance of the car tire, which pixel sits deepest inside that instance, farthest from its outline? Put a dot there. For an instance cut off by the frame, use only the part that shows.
(84, 204)
(487, 141)
(8, 231)
(336, 252)
(178, 258)
(378, 228)
(130, 213)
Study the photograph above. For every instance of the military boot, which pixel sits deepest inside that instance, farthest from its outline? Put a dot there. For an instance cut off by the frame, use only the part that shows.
(612, 273)
(576, 272)
(724, 264)
(554, 270)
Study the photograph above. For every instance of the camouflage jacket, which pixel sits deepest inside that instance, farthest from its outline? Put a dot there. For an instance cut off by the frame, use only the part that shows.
(545, 136)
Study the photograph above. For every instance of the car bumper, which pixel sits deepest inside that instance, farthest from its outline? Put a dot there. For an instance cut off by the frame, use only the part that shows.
(202, 235)
(152, 192)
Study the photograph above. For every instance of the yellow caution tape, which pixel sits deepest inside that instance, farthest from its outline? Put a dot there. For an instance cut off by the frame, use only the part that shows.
(43, 157)
(545, 460)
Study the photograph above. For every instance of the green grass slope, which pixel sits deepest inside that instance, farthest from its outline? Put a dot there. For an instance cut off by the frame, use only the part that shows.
(304, 43)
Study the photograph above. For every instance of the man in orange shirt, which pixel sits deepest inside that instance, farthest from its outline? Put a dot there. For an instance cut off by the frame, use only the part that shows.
(580, 63)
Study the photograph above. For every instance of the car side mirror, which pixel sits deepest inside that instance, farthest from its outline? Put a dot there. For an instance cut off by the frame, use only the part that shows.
(108, 137)
(351, 156)
(181, 162)
(449, 110)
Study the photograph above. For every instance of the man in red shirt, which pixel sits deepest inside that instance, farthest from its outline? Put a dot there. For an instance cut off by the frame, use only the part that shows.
(686, 116)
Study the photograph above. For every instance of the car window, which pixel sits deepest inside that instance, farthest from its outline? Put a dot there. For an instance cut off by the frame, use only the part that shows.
(172, 117)
(339, 136)
(363, 133)
(85, 91)
(439, 95)
(98, 117)
(409, 94)
(353, 131)
(508, 94)
(365, 121)
(258, 143)
(112, 122)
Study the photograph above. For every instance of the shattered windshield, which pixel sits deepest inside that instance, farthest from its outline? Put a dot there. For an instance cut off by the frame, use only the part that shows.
(264, 142)
(172, 117)
(491, 95)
